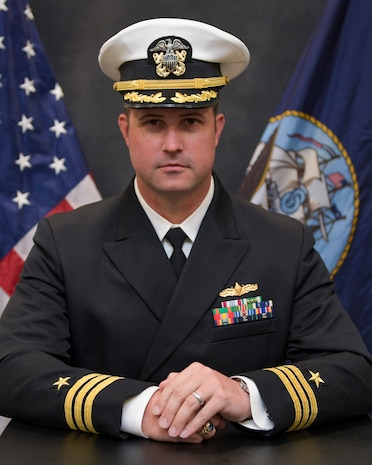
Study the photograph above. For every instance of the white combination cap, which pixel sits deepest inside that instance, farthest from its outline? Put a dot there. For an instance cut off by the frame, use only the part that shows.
(172, 62)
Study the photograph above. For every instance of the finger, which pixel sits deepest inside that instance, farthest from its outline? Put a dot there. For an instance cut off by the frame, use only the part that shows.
(218, 422)
(207, 431)
(186, 425)
(151, 429)
(184, 415)
(162, 435)
(189, 420)
(174, 393)
(165, 391)
(182, 396)
(189, 407)
(168, 379)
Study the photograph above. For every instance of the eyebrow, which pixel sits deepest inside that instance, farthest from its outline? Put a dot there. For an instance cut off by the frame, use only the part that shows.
(149, 115)
(188, 113)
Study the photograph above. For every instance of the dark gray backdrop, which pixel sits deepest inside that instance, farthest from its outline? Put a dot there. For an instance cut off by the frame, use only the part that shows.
(73, 31)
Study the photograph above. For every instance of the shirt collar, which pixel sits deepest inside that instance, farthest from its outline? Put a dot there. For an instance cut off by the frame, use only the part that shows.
(190, 225)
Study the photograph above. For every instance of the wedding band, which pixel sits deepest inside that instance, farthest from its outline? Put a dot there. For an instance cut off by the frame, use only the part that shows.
(207, 429)
(199, 398)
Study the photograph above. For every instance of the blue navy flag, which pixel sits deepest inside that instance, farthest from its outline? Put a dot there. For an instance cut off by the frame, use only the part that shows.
(314, 160)
(42, 169)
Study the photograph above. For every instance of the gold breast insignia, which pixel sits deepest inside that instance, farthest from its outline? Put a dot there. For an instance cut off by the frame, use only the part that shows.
(238, 290)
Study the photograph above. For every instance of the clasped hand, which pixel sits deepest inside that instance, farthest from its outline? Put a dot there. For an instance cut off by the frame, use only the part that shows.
(189, 400)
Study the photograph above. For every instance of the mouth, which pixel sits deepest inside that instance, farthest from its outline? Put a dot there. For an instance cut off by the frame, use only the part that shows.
(173, 167)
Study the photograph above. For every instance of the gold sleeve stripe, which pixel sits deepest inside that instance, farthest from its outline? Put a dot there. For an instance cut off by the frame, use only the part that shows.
(306, 419)
(69, 400)
(80, 398)
(303, 398)
(312, 404)
(79, 404)
(291, 392)
(90, 399)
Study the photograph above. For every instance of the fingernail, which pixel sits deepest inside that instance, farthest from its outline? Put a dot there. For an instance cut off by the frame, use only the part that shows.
(172, 432)
(163, 423)
(156, 410)
(184, 434)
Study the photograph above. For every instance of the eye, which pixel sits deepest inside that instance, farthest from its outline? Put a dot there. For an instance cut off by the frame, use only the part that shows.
(153, 122)
(191, 121)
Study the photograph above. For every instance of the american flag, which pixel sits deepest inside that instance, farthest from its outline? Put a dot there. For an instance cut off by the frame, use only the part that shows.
(42, 168)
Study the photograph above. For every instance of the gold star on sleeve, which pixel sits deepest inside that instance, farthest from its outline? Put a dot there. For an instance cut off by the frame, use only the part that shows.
(316, 378)
(62, 382)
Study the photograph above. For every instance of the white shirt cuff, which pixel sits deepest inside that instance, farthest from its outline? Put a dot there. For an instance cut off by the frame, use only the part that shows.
(133, 411)
(260, 420)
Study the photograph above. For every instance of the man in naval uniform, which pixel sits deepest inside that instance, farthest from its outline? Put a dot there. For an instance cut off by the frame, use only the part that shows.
(173, 308)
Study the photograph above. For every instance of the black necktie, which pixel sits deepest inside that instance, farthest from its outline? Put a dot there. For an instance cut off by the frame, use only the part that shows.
(177, 237)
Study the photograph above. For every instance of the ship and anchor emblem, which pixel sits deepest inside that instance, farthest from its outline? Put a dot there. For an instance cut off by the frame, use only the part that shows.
(301, 169)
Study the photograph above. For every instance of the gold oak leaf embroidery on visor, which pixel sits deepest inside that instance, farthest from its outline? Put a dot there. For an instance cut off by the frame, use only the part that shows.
(141, 98)
(203, 96)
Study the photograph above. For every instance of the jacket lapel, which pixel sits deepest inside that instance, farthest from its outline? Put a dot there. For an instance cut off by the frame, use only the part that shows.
(216, 253)
(139, 256)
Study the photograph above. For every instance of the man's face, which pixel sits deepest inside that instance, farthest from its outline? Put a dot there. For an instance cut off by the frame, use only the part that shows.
(172, 150)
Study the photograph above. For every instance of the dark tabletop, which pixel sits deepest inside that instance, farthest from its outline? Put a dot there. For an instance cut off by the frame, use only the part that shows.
(344, 443)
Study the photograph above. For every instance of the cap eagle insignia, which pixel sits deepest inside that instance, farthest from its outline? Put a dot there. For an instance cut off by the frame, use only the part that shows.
(171, 57)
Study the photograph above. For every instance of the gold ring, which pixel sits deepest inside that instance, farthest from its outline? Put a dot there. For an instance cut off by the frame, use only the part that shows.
(199, 398)
(207, 429)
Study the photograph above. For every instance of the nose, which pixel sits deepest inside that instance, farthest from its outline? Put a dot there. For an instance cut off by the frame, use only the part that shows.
(172, 142)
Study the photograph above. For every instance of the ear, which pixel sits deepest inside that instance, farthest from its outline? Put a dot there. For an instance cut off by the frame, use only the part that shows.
(220, 123)
(123, 123)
